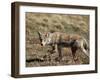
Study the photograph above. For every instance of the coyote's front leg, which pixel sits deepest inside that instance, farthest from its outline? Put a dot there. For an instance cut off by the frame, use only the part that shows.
(59, 52)
(53, 50)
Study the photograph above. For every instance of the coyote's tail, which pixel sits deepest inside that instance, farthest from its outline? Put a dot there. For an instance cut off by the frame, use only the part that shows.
(86, 46)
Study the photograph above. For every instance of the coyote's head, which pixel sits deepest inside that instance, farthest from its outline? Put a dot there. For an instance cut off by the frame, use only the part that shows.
(44, 38)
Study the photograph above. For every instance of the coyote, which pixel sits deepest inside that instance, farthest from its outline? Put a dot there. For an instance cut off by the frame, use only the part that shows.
(57, 40)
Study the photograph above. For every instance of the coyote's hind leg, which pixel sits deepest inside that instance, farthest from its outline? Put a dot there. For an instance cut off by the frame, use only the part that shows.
(74, 49)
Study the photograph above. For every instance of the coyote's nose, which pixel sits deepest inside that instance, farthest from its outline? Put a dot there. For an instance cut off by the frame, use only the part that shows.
(41, 44)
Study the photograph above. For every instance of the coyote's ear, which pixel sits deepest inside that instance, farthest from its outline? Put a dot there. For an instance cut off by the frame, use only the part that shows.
(48, 34)
(39, 33)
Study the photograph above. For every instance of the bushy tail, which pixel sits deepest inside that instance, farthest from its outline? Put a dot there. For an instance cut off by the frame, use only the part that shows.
(85, 44)
(86, 47)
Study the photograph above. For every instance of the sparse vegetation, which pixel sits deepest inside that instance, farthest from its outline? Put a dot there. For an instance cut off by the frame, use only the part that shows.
(36, 55)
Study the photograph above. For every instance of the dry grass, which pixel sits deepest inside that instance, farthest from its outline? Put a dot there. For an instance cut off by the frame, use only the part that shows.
(36, 55)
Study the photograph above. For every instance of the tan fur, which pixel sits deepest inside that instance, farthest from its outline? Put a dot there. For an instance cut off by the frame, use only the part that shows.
(58, 40)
